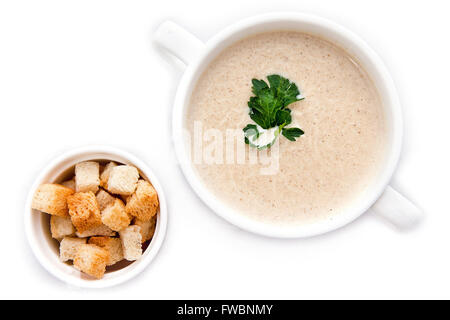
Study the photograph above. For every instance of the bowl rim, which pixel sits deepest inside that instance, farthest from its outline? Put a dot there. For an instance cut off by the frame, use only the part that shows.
(125, 273)
(190, 77)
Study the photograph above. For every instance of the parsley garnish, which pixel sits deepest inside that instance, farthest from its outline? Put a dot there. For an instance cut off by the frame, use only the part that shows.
(268, 110)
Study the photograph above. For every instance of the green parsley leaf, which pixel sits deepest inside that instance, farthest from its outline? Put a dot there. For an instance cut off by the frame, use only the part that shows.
(269, 101)
(268, 109)
(286, 91)
(292, 133)
(284, 117)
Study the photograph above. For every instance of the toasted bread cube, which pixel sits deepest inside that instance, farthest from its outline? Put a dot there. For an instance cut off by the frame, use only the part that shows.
(91, 259)
(68, 248)
(115, 216)
(61, 227)
(113, 245)
(147, 228)
(69, 184)
(52, 199)
(131, 242)
(97, 231)
(104, 199)
(125, 198)
(104, 177)
(123, 180)
(84, 211)
(87, 176)
(144, 203)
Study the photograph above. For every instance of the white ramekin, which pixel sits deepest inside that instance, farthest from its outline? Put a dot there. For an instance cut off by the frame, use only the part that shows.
(197, 55)
(37, 227)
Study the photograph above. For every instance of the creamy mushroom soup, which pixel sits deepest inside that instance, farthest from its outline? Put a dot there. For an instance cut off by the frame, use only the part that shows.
(324, 171)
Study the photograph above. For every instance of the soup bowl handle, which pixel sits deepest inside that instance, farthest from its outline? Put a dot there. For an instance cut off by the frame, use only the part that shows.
(397, 209)
(179, 42)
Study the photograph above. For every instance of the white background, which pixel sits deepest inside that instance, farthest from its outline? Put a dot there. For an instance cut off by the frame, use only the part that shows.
(74, 73)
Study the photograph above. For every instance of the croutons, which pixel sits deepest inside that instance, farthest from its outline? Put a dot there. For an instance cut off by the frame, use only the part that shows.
(131, 242)
(69, 184)
(125, 198)
(115, 216)
(97, 231)
(87, 176)
(61, 227)
(68, 248)
(147, 228)
(91, 259)
(113, 245)
(104, 199)
(52, 199)
(91, 215)
(105, 174)
(123, 179)
(84, 211)
(144, 203)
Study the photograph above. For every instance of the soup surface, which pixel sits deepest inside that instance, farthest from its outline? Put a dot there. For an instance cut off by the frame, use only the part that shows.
(322, 173)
